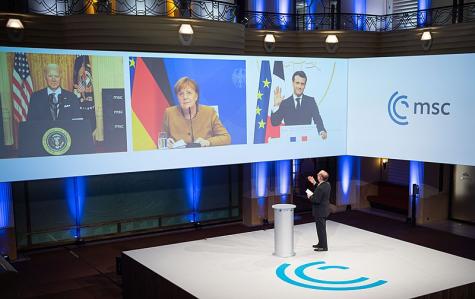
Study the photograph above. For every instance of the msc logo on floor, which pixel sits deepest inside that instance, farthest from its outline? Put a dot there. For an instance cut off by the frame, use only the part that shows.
(304, 280)
(399, 108)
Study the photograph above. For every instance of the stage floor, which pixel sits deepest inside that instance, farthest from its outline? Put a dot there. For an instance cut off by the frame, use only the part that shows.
(359, 264)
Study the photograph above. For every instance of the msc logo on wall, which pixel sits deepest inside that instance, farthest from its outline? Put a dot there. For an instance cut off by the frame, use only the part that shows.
(399, 108)
(305, 276)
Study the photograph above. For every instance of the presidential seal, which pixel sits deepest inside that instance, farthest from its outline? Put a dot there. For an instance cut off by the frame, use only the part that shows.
(56, 141)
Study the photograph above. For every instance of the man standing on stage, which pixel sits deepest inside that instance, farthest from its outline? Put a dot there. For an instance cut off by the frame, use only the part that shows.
(320, 200)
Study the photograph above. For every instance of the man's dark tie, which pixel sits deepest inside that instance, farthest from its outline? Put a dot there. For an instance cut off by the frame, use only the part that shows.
(298, 103)
(54, 106)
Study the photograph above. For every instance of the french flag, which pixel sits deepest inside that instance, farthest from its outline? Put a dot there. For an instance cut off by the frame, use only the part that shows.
(278, 80)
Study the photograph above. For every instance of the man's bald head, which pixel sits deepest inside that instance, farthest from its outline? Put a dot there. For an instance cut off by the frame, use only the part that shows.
(323, 176)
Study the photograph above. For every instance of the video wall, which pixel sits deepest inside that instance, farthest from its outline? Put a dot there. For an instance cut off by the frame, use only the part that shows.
(71, 113)
(413, 108)
(74, 113)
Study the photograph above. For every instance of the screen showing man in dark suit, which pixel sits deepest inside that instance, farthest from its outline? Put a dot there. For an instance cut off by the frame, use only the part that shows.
(54, 123)
(53, 102)
(298, 109)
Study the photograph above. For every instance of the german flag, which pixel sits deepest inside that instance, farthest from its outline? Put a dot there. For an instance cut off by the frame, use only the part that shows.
(151, 95)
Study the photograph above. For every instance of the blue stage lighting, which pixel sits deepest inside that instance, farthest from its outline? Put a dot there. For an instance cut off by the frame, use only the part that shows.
(6, 207)
(284, 8)
(422, 16)
(260, 174)
(416, 176)
(345, 171)
(76, 196)
(259, 6)
(359, 7)
(192, 178)
(282, 174)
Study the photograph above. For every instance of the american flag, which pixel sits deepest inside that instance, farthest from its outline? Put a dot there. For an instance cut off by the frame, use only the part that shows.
(22, 87)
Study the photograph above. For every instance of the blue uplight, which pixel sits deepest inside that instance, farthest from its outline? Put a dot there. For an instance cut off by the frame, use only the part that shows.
(282, 174)
(75, 196)
(310, 17)
(192, 178)
(261, 204)
(259, 6)
(284, 8)
(197, 182)
(345, 171)
(416, 176)
(260, 174)
(359, 8)
(422, 16)
(6, 207)
(312, 5)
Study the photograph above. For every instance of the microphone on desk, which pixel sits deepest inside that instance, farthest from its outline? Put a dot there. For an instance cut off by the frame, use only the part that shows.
(192, 144)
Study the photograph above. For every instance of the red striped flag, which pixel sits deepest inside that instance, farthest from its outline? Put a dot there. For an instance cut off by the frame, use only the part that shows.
(151, 95)
(278, 80)
(22, 87)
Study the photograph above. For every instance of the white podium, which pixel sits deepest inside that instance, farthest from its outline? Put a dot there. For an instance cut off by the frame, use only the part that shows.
(284, 230)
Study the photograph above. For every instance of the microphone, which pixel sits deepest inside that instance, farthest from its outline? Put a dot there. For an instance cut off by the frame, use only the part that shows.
(193, 143)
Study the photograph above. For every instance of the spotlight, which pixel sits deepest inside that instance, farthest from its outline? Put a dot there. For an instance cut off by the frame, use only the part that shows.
(331, 39)
(245, 21)
(426, 40)
(426, 36)
(15, 30)
(15, 24)
(331, 43)
(185, 34)
(269, 42)
(384, 162)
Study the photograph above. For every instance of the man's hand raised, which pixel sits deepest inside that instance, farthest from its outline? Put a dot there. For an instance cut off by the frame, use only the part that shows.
(278, 98)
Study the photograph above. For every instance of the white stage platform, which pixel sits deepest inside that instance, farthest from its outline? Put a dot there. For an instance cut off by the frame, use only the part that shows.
(359, 264)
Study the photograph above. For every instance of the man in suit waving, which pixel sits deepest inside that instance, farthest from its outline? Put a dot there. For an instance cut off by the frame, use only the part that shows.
(298, 109)
(320, 200)
(53, 102)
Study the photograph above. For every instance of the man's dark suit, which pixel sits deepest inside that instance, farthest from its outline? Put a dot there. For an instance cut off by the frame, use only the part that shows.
(40, 106)
(303, 116)
(320, 200)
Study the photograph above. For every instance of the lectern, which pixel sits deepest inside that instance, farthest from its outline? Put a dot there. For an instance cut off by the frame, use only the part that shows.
(284, 230)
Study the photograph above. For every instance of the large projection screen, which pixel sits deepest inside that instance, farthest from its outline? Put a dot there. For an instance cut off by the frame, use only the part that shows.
(413, 108)
(74, 113)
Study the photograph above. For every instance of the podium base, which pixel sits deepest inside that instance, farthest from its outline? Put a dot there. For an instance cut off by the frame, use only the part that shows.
(284, 254)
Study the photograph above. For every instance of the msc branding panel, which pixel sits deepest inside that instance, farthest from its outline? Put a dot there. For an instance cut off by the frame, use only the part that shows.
(399, 108)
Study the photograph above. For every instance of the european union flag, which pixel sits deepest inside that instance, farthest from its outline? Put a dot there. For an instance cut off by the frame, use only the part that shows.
(293, 139)
(262, 105)
(132, 63)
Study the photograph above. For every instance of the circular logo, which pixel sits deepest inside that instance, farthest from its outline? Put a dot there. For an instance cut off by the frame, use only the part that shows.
(393, 114)
(301, 277)
(56, 141)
